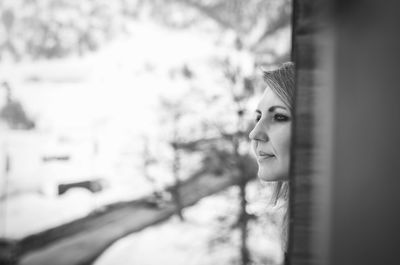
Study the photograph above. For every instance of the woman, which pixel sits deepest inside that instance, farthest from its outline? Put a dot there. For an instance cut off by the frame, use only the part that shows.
(272, 133)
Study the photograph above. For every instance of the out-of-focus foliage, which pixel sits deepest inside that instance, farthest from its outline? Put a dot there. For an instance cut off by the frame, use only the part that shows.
(240, 16)
(252, 21)
(58, 28)
(224, 152)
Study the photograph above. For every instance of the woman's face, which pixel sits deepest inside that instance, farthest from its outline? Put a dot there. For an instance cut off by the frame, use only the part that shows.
(271, 137)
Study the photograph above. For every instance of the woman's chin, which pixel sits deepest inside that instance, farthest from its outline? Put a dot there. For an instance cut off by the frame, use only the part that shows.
(268, 175)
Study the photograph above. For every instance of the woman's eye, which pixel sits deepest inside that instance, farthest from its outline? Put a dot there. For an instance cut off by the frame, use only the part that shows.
(257, 118)
(281, 117)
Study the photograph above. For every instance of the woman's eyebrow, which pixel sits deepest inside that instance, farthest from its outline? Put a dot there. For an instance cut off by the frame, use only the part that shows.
(273, 108)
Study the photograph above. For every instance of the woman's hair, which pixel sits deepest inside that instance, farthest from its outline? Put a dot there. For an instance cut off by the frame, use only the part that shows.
(282, 83)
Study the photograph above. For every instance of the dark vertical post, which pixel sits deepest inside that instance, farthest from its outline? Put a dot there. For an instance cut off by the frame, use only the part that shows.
(309, 216)
(345, 199)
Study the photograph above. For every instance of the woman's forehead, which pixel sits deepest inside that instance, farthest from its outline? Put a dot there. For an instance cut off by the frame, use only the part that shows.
(269, 99)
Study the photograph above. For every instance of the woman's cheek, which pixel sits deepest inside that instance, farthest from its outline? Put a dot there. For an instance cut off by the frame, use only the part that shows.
(283, 138)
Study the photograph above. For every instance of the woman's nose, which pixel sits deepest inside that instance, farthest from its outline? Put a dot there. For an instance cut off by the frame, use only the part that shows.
(259, 133)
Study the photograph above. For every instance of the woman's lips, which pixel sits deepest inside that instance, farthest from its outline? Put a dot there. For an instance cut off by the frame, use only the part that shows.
(264, 156)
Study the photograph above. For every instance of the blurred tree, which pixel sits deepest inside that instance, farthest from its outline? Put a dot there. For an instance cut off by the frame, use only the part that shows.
(221, 156)
(175, 112)
(241, 89)
(227, 152)
(148, 160)
(56, 28)
(253, 22)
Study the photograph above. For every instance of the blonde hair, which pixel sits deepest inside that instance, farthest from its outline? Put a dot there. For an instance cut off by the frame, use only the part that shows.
(282, 83)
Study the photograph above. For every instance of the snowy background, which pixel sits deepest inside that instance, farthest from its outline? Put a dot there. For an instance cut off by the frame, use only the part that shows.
(100, 106)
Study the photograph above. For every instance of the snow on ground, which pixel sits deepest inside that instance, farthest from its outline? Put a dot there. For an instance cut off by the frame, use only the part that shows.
(188, 243)
(32, 212)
